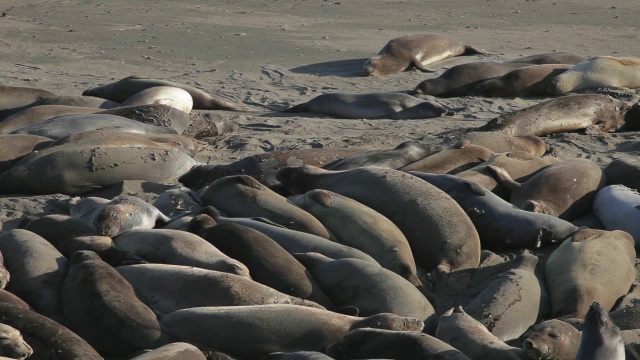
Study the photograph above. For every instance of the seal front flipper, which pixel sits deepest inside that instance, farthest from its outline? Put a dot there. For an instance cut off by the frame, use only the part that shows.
(421, 67)
(298, 108)
(502, 176)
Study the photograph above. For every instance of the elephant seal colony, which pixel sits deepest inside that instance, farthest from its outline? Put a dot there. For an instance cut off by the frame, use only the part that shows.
(491, 221)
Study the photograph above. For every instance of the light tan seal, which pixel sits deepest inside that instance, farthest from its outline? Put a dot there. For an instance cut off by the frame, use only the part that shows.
(605, 71)
(552, 340)
(594, 265)
(500, 142)
(165, 95)
(121, 214)
(418, 50)
(12, 345)
(15, 146)
(462, 157)
(121, 90)
(17, 96)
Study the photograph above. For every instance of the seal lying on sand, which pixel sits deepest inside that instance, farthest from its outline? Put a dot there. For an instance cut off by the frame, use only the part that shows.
(121, 90)
(460, 79)
(13, 345)
(395, 106)
(527, 81)
(165, 95)
(551, 58)
(17, 96)
(605, 71)
(417, 50)
(570, 113)
(113, 217)
(552, 339)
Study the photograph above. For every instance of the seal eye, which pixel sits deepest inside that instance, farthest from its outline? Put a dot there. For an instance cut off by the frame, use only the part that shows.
(553, 335)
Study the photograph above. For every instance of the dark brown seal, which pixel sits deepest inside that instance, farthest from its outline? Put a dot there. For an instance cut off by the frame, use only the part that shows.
(460, 79)
(102, 307)
(58, 342)
(528, 81)
(409, 345)
(442, 237)
(623, 172)
(268, 262)
(263, 167)
(559, 57)
(594, 112)
(464, 156)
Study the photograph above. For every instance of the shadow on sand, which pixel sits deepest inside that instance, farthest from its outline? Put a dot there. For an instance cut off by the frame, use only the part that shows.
(341, 68)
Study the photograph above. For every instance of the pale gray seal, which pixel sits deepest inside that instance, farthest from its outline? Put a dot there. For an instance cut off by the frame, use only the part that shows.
(600, 337)
(164, 95)
(618, 208)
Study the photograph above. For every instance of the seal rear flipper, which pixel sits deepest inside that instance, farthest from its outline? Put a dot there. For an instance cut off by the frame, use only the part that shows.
(298, 108)
(471, 50)
(502, 176)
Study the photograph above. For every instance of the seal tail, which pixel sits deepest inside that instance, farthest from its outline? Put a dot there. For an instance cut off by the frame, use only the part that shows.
(298, 108)
(470, 50)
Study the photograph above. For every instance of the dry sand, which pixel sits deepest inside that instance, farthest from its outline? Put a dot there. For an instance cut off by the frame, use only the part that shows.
(270, 55)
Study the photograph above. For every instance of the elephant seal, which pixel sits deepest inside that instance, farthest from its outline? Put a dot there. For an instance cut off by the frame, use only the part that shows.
(37, 270)
(618, 208)
(57, 341)
(299, 355)
(623, 172)
(62, 126)
(118, 138)
(566, 189)
(178, 201)
(499, 142)
(512, 302)
(551, 58)
(403, 154)
(409, 345)
(14, 147)
(5, 276)
(604, 71)
(524, 82)
(16, 96)
(600, 338)
(121, 214)
(267, 261)
(77, 170)
(173, 351)
(368, 287)
(460, 79)
(256, 331)
(500, 224)
(594, 265)
(396, 106)
(290, 240)
(81, 101)
(358, 226)
(552, 339)
(472, 338)
(263, 167)
(121, 90)
(463, 157)
(152, 114)
(520, 165)
(101, 306)
(593, 112)
(175, 247)
(165, 95)
(69, 234)
(415, 50)
(452, 242)
(244, 196)
(169, 288)
(38, 114)
(13, 345)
